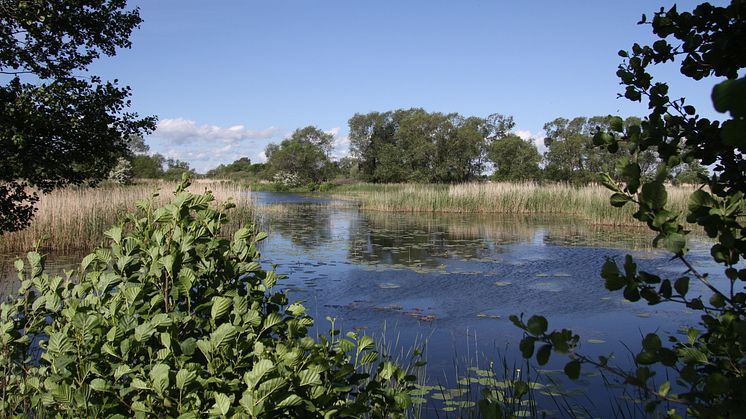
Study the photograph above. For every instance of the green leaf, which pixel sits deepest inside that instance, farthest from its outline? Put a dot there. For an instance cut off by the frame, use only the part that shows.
(222, 403)
(537, 325)
(527, 346)
(290, 401)
(619, 199)
(184, 378)
(682, 285)
(114, 233)
(542, 355)
(654, 195)
(616, 124)
(572, 369)
(220, 307)
(308, 378)
(99, 384)
(159, 377)
(223, 336)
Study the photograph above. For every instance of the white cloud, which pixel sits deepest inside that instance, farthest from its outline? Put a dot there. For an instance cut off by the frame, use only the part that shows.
(262, 157)
(340, 143)
(537, 138)
(182, 131)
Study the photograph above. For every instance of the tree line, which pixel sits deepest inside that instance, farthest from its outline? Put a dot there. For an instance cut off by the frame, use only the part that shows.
(413, 145)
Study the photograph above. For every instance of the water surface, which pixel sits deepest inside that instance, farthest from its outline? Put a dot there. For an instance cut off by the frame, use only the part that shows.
(453, 280)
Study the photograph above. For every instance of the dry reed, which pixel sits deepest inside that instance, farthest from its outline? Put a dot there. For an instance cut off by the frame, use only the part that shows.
(588, 202)
(75, 218)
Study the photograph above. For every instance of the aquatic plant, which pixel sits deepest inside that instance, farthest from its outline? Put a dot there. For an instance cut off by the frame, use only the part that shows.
(587, 202)
(75, 218)
(173, 320)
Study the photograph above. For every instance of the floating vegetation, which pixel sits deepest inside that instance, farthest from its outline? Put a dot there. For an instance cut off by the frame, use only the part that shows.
(503, 283)
(596, 341)
(488, 316)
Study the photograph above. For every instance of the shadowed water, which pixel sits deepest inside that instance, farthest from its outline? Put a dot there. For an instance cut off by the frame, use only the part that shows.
(454, 280)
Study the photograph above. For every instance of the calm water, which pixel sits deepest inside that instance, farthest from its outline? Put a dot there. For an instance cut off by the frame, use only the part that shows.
(452, 281)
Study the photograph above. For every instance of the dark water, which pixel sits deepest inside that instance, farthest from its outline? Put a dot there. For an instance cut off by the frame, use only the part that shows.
(452, 282)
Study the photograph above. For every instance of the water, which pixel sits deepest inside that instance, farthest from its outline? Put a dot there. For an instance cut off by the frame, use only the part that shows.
(452, 281)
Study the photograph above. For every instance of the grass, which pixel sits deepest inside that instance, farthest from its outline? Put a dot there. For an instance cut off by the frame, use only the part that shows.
(590, 203)
(75, 218)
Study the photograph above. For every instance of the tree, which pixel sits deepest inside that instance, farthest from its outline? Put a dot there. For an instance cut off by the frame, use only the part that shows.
(239, 169)
(58, 125)
(413, 145)
(305, 155)
(148, 167)
(514, 159)
(709, 362)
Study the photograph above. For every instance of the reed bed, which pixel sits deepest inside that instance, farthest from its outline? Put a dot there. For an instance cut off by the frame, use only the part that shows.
(75, 218)
(590, 203)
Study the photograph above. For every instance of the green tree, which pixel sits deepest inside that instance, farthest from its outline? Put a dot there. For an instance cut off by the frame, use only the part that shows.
(147, 167)
(240, 168)
(176, 169)
(305, 155)
(514, 159)
(58, 125)
(412, 145)
(708, 363)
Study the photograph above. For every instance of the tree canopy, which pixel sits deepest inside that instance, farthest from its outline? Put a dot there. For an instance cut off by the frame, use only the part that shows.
(59, 125)
(305, 154)
(416, 145)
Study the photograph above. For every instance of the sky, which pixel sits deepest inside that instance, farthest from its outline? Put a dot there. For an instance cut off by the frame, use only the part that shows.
(227, 77)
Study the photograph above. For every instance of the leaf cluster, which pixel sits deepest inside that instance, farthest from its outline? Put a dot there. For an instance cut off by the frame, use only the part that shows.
(708, 364)
(173, 320)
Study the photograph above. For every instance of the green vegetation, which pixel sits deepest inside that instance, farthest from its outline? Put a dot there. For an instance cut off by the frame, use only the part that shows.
(301, 159)
(587, 202)
(240, 170)
(173, 320)
(705, 367)
(413, 145)
(75, 218)
(51, 119)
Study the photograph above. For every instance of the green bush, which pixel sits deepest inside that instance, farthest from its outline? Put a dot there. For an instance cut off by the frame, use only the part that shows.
(173, 320)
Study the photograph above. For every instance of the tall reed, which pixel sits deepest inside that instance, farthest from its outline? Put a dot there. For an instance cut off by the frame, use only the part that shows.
(588, 202)
(76, 217)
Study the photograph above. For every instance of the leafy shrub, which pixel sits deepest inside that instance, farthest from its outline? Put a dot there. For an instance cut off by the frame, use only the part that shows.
(173, 320)
(707, 363)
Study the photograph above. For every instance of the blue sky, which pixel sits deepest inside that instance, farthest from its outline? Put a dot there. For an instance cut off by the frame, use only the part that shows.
(227, 77)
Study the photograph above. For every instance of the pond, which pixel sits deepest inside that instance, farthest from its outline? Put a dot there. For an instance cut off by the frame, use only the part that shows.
(449, 283)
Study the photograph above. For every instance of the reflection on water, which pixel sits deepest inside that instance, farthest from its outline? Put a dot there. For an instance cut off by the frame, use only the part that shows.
(456, 277)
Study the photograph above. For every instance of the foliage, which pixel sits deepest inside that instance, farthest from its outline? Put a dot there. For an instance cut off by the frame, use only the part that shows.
(121, 173)
(238, 170)
(573, 157)
(157, 166)
(709, 363)
(173, 320)
(412, 145)
(58, 128)
(305, 155)
(514, 159)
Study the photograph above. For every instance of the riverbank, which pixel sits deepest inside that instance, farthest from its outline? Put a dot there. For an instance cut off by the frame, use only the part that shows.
(75, 218)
